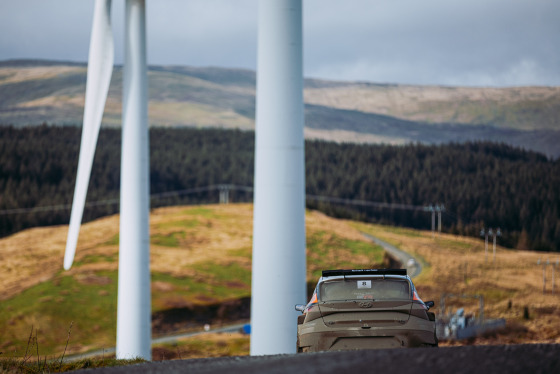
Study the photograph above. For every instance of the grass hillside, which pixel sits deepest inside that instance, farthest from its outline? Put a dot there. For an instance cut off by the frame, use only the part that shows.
(201, 273)
(33, 92)
(511, 284)
(522, 108)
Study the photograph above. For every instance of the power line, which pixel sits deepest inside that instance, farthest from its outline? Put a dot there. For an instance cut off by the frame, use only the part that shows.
(155, 196)
(220, 187)
(56, 207)
(339, 200)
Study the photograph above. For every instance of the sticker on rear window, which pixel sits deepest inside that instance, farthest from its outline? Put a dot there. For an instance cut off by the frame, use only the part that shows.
(364, 284)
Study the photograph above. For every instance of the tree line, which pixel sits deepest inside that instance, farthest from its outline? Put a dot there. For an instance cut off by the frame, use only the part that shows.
(481, 184)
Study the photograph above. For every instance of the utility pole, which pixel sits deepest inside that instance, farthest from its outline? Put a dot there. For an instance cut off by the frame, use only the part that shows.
(439, 209)
(435, 208)
(498, 232)
(224, 193)
(433, 221)
(430, 208)
(544, 264)
(554, 265)
(485, 233)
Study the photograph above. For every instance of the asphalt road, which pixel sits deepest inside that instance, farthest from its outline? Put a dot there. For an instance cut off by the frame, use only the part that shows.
(412, 265)
(533, 359)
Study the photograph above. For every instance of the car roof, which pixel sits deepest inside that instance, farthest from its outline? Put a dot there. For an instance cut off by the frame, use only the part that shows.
(342, 277)
(341, 274)
(351, 272)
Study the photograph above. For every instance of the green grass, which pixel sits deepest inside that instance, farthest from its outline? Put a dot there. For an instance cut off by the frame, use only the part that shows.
(113, 241)
(93, 259)
(315, 241)
(89, 303)
(246, 252)
(322, 246)
(364, 247)
(187, 287)
(228, 281)
(209, 274)
(224, 273)
(410, 233)
(170, 240)
(455, 245)
(52, 307)
(200, 211)
(184, 223)
(213, 283)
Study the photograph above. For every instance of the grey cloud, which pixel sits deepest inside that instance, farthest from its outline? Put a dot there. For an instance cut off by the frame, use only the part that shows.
(438, 42)
(479, 42)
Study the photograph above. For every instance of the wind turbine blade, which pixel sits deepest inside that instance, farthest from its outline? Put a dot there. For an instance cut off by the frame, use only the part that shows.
(100, 68)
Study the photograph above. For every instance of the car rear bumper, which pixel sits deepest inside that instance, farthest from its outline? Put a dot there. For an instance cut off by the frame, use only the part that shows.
(365, 339)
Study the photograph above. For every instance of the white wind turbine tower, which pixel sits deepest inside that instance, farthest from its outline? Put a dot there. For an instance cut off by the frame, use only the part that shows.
(134, 303)
(279, 213)
(279, 266)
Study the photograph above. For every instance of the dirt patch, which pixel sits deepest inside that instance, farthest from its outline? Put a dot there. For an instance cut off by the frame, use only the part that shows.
(159, 286)
(235, 284)
(191, 316)
(93, 279)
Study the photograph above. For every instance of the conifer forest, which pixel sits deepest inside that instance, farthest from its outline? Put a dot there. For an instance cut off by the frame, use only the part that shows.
(480, 184)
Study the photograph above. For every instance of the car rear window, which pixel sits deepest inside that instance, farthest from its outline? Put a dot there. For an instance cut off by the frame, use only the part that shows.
(359, 289)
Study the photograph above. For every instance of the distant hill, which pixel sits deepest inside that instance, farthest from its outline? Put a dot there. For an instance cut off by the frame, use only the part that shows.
(33, 92)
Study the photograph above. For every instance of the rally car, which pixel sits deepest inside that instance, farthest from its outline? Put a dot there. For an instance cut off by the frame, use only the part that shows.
(365, 309)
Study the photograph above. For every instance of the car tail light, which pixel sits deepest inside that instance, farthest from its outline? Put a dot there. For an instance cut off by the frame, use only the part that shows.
(311, 303)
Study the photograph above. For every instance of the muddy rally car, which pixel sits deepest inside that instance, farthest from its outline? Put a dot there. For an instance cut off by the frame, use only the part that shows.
(365, 309)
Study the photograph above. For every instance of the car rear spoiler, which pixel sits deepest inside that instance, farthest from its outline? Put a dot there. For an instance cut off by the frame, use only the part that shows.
(347, 272)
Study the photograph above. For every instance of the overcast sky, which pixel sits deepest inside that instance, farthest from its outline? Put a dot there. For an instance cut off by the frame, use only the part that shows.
(439, 42)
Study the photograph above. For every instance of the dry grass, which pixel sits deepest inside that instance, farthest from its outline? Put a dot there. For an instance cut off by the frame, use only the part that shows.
(205, 345)
(344, 136)
(22, 74)
(197, 115)
(428, 103)
(213, 233)
(457, 265)
(32, 362)
(216, 233)
(202, 255)
(34, 256)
